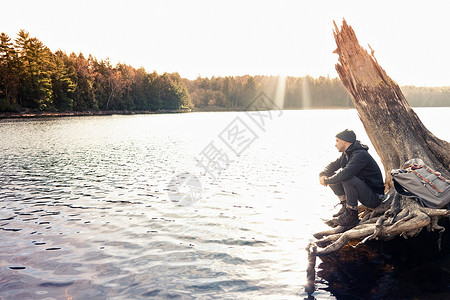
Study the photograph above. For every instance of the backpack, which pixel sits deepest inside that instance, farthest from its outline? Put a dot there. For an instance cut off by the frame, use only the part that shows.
(416, 179)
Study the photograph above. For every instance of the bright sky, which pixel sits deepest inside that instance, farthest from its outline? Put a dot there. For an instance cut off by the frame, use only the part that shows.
(220, 38)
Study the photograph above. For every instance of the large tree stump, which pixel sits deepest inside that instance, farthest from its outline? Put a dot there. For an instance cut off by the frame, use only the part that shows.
(397, 135)
(392, 126)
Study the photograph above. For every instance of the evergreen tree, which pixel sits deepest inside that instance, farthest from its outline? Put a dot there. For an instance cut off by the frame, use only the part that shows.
(172, 92)
(137, 92)
(102, 71)
(63, 86)
(152, 92)
(9, 79)
(35, 66)
(127, 76)
(249, 90)
(83, 76)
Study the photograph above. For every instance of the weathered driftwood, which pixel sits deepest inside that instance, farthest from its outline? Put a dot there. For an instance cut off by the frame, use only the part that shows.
(397, 135)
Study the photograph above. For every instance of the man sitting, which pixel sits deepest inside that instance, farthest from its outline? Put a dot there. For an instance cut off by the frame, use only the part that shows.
(353, 176)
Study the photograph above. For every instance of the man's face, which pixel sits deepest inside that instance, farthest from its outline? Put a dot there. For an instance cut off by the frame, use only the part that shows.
(340, 145)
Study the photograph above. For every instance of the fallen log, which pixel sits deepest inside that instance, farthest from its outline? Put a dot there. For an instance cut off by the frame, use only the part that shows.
(397, 135)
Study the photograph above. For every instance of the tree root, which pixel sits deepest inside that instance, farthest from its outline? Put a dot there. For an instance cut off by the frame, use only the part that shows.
(397, 216)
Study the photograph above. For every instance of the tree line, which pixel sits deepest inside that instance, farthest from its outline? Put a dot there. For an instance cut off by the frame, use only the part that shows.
(427, 96)
(32, 77)
(299, 92)
(238, 92)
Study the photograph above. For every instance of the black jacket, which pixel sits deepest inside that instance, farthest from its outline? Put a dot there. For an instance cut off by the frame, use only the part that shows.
(355, 161)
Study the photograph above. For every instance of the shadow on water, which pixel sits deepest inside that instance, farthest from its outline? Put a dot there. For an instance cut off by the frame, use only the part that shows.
(414, 268)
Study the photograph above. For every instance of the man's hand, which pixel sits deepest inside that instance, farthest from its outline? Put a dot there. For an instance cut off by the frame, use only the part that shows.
(322, 180)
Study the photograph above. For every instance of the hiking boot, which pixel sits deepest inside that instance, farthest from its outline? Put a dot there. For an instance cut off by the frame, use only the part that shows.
(332, 223)
(348, 218)
(341, 211)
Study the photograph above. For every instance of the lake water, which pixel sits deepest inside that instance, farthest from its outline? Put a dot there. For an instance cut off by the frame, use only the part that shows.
(88, 204)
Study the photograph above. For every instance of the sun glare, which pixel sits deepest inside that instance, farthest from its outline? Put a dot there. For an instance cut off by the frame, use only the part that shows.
(280, 92)
(306, 94)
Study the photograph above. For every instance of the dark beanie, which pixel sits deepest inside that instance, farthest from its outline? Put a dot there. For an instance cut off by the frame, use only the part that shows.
(347, 135)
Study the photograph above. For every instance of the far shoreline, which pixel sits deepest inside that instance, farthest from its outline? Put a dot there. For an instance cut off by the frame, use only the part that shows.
(57, 114)
(51, 114)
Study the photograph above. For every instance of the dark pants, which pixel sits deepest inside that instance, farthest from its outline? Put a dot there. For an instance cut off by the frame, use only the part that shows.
(355, 189)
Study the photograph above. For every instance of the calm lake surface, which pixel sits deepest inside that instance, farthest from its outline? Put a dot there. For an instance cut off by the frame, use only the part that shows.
(88, 204)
